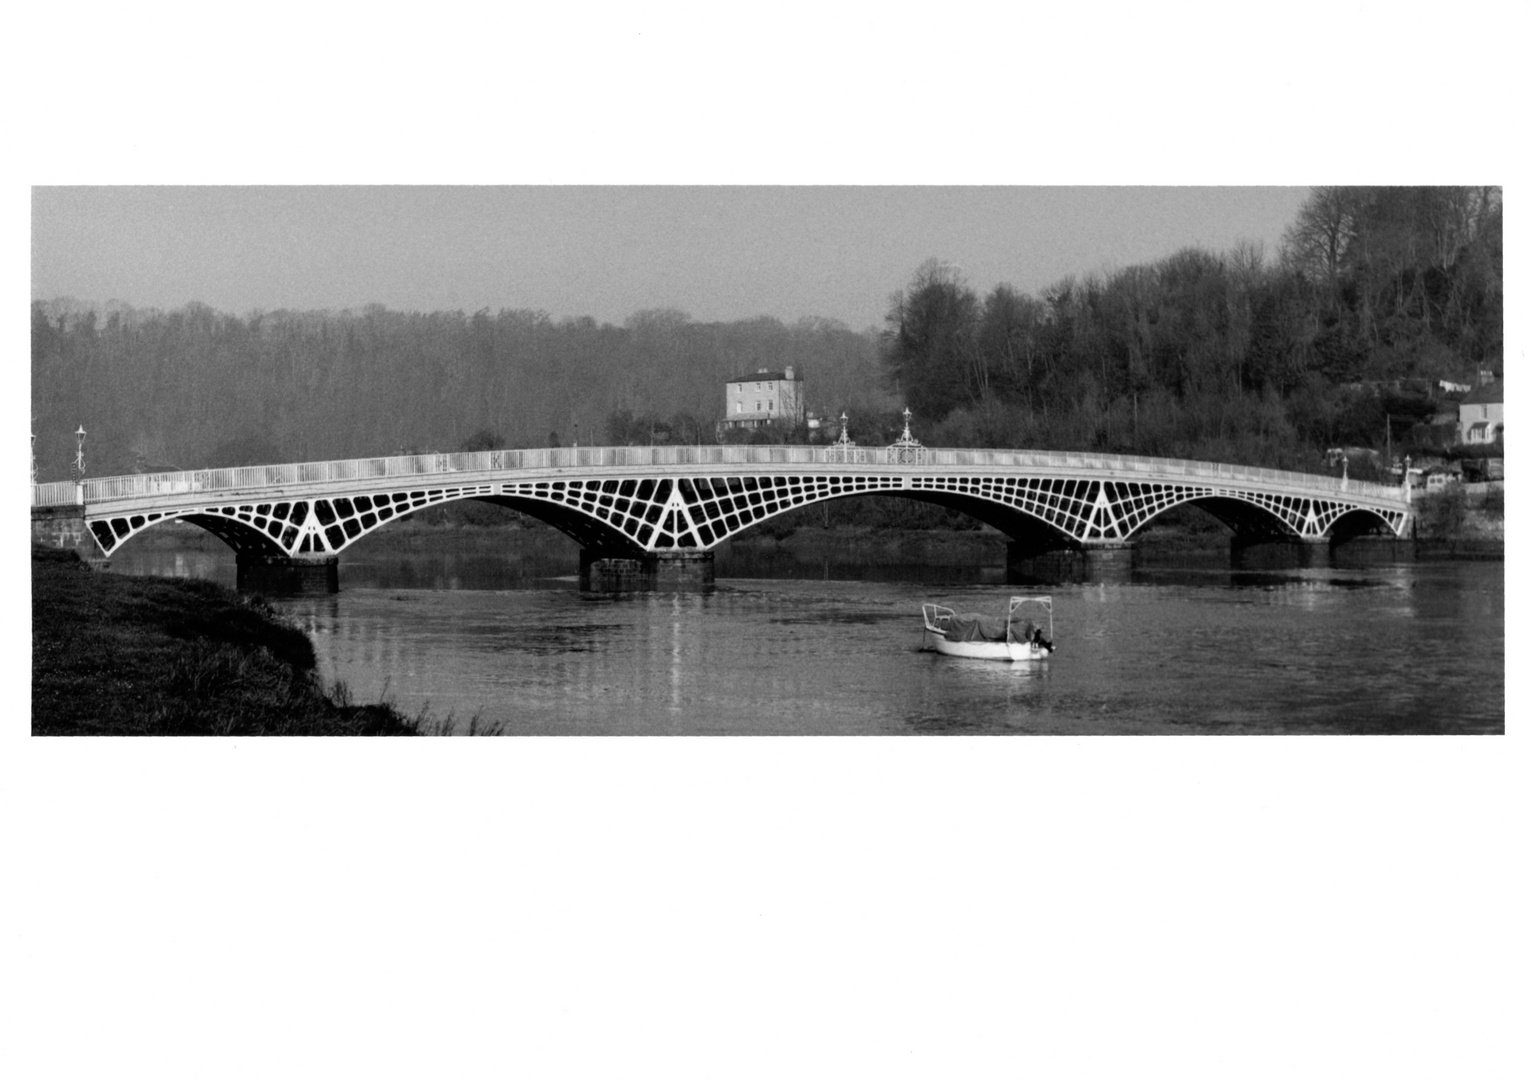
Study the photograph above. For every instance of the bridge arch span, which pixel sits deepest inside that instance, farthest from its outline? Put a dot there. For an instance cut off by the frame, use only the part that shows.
(638, 513)
(1253, 516)
(647, 501)
(304, 526)
(700, 512)
(1112, 510)
(237, 531)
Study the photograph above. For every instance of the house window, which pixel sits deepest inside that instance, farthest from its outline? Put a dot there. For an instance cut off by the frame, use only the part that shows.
(757, 406)
(770, 406)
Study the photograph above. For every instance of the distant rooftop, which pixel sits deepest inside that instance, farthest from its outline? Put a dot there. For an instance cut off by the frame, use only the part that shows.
(1485, 395)
(767, 376)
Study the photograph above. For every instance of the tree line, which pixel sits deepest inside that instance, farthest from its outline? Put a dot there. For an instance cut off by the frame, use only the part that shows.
(195, 388)
(1340, 339)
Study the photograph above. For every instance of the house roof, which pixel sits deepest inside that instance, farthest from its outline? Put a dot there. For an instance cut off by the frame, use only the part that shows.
(1485, 395)
(765, 376)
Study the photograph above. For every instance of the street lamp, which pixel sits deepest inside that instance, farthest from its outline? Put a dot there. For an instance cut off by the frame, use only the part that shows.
(79, 451)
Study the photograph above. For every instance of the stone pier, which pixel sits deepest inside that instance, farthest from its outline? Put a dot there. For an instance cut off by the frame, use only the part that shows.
(284, 575)
(1028, 564)
(679, 571)
(1282, 553)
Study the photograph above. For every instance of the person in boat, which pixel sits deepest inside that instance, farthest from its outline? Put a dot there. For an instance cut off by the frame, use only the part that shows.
(1031, 634)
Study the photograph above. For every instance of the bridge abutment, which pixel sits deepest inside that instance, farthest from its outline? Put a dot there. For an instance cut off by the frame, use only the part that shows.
(679, 571)
(64, 527)
(286, 575)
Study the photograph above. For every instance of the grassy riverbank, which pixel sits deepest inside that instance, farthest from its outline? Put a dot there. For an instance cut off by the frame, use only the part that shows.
(115, 655)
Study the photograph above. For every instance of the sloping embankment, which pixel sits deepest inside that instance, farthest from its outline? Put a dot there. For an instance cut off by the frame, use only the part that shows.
(115, 655)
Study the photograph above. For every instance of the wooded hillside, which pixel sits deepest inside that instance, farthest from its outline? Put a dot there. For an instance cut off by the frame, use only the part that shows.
(1339, 339)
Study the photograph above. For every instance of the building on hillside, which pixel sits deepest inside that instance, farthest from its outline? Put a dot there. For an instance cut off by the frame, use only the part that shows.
(1480, 415)
(1441, 477)
(764, 398)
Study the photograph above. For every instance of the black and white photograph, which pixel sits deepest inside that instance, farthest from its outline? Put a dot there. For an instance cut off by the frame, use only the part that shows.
(910, 543)
(900, 460)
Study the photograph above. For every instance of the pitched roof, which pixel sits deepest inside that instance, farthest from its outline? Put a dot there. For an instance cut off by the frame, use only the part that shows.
(1485, 395)
(765, 376)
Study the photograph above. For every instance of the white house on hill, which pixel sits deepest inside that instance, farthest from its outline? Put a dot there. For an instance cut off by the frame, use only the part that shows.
(766, 397)
(1480, 415)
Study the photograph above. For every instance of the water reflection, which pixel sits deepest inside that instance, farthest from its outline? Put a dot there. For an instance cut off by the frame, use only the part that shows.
(518, 560)
(1189, 646)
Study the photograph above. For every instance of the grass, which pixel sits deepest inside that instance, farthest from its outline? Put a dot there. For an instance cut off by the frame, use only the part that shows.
(117, 655)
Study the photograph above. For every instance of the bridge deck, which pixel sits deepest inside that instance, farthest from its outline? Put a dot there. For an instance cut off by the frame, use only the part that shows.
(361, 474)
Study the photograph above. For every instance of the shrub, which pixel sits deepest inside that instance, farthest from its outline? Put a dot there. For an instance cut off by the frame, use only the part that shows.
(1442, 515)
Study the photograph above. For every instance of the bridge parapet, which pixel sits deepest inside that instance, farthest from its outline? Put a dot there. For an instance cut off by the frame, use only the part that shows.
(58, 493)
(253, 479)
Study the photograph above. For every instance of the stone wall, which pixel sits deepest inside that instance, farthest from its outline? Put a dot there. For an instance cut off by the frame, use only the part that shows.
(64, 527)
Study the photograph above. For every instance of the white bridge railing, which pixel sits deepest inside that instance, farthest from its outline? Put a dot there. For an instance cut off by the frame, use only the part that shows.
(58, 493)
(257, 477)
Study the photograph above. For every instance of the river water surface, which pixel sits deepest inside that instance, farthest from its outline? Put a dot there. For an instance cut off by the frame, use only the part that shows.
(812, 648)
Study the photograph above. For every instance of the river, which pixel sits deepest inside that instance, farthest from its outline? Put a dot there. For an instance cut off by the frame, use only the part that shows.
(794, 646)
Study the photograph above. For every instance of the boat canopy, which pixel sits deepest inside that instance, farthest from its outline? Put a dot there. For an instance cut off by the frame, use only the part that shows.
(975, 628)
(989, 628)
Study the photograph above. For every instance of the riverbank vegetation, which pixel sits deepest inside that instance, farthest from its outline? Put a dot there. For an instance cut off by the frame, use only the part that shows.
(1455, 515)
(1338, 339)
(115, 655)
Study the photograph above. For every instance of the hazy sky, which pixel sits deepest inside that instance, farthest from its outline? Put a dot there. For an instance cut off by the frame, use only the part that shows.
(716, 253)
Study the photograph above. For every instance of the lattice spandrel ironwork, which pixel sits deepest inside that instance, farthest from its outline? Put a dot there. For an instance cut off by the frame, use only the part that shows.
(687, 511)
(322, 526)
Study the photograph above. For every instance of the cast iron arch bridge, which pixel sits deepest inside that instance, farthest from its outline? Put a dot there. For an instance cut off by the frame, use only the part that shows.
(641, 502)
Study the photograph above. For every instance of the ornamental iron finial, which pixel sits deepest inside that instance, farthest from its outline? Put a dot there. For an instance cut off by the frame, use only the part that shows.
(907, 450)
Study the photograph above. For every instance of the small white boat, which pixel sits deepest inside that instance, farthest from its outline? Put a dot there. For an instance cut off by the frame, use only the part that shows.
(987, 637)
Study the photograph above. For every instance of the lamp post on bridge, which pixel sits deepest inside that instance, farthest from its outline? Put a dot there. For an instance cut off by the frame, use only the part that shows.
(79, 464)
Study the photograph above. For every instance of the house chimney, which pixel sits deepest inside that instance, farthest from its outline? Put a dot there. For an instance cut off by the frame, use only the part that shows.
(788, 372)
